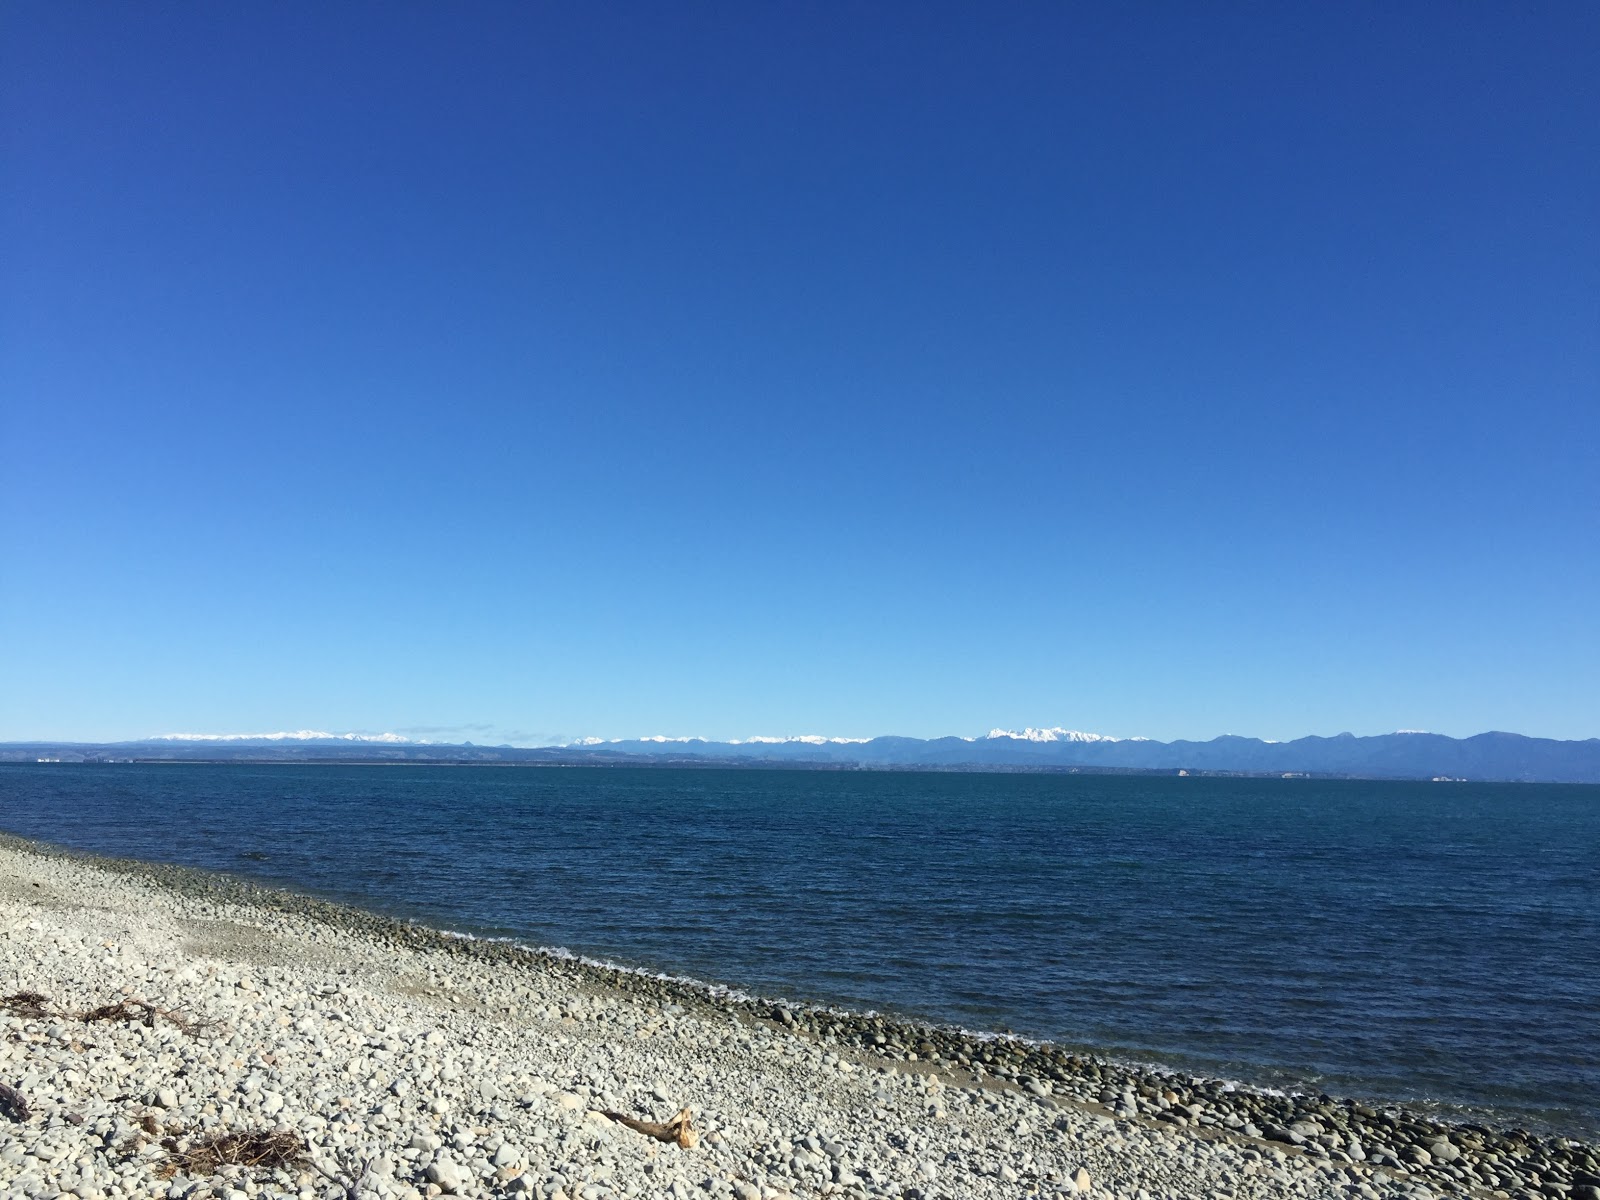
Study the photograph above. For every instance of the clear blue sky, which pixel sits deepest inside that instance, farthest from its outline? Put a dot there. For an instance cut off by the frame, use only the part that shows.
(523, 372)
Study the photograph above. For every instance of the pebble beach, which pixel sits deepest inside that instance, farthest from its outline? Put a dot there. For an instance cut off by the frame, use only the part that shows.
(172, 1033)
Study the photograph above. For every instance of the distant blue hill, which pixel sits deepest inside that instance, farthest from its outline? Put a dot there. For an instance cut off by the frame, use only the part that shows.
(1488, 756)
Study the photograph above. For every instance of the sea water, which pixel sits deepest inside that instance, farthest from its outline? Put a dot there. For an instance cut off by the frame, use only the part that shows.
(1437, 944)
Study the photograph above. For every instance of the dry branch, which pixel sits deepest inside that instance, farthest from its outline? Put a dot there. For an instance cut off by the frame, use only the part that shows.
(676, 1130)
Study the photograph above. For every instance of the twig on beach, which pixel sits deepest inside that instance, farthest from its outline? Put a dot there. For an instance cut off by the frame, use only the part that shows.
(14, 1104)
(350, 1186)
(677, 1130)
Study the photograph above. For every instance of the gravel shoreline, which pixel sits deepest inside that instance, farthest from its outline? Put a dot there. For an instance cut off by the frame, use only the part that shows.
(400, 1061)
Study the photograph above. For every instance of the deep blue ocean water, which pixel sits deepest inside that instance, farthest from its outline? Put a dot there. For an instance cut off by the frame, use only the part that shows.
(1430, 943)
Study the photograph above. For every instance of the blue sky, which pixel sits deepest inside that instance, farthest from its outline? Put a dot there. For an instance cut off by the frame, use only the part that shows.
(519, 373)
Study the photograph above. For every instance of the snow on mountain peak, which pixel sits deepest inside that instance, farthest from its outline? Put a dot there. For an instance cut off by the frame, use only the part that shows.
(1056, 734)
(1030, 734)
(298, 735)
(810, 739)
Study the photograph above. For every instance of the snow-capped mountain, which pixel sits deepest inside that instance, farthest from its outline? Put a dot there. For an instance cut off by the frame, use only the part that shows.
(1056, 734)
(809, 739)
(299, 735)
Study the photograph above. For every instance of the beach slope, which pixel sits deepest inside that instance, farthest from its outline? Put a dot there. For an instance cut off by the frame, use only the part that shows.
(166, 1033)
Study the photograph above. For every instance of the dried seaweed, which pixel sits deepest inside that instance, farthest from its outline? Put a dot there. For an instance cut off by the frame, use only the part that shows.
(120, 1011)
(14, 1104)
(142, 1012)
(35, 1006)
(32, 1006)
(254, 1150)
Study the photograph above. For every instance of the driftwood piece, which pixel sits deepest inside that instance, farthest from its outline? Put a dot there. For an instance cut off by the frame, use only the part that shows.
(14, 1104)
(677, 1130)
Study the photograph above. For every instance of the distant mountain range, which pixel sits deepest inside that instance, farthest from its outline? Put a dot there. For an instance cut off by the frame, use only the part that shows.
(1404, 755)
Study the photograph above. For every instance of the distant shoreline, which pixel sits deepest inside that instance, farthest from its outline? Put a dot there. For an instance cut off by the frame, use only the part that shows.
(9, 757)
(711, 764)
(1483, 758)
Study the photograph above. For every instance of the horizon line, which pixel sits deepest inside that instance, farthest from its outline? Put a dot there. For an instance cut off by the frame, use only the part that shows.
(1051, 734)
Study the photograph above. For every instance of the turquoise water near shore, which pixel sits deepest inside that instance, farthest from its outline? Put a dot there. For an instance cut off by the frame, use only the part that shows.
(1437, 944)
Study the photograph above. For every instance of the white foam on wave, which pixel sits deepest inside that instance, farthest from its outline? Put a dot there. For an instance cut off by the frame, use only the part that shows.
(715, 991)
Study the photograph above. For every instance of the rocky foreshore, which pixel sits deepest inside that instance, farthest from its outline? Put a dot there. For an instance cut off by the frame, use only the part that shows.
(172, 1033)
